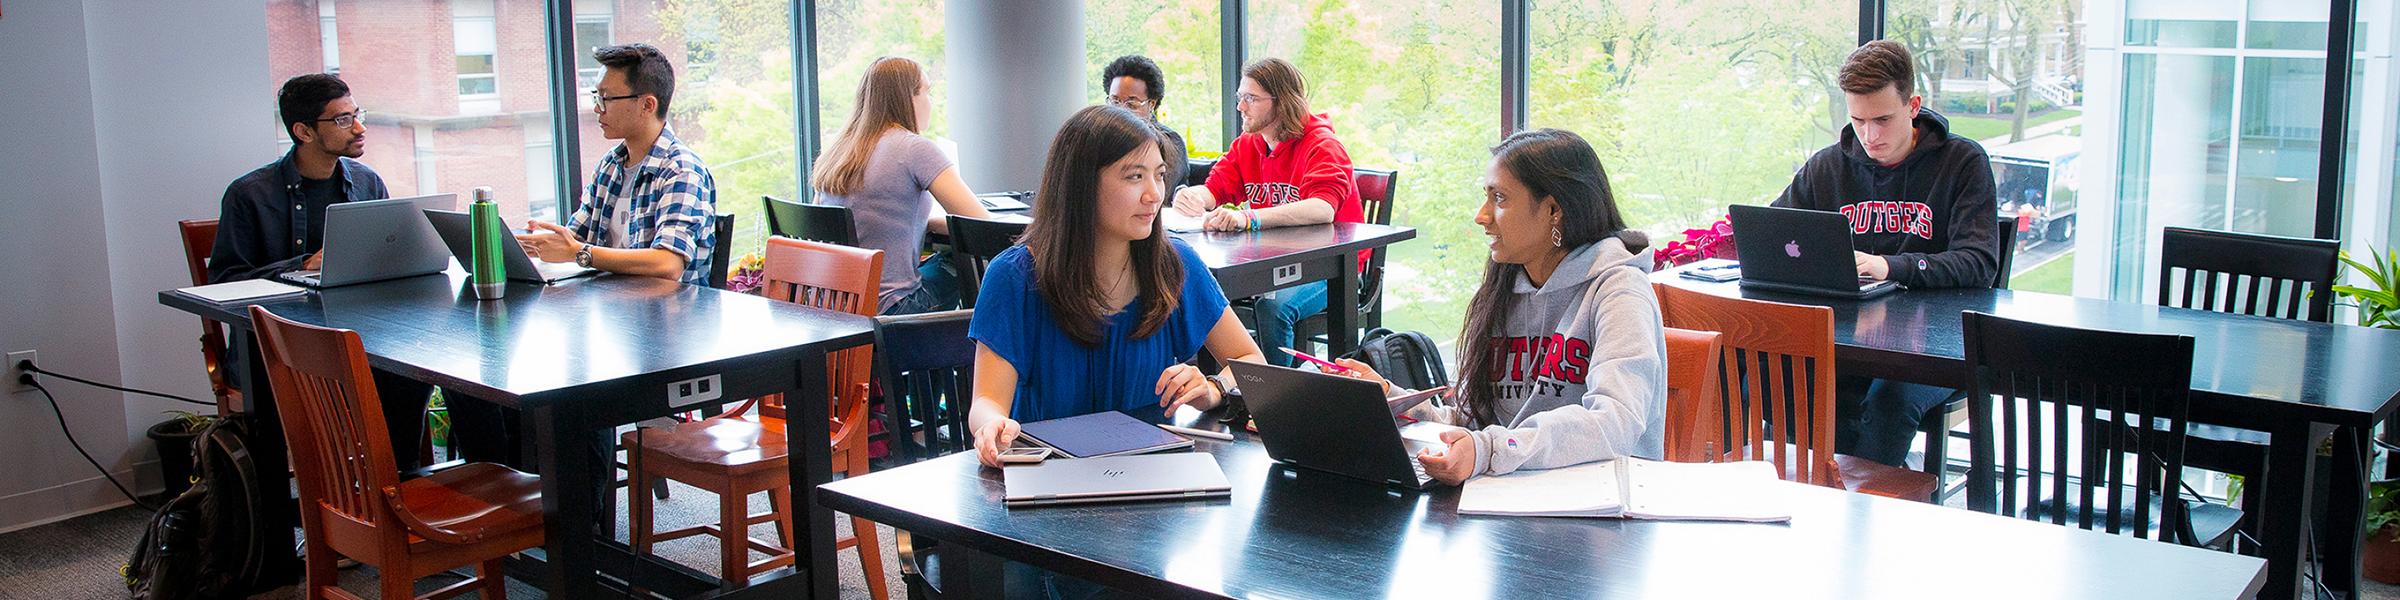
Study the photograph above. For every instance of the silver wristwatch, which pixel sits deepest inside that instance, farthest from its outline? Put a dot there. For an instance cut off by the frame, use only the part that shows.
(583, 256)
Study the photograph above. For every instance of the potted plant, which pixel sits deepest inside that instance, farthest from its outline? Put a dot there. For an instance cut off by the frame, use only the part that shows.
(2378, 305)
(2380, 558)
(1712, 241)
(174, 438)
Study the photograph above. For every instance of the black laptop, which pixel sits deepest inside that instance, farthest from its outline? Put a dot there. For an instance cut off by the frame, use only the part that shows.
(1328, 423)
(1800, 251)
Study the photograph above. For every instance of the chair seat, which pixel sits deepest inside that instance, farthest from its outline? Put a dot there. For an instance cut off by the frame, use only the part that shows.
(2212, 523)
(738, 444)
(1878, 479)
(469, 503)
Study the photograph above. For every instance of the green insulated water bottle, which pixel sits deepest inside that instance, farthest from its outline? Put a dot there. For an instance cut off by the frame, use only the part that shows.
(484, 268)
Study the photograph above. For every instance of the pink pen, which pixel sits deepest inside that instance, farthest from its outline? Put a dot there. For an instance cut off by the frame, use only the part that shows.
(1320, 362)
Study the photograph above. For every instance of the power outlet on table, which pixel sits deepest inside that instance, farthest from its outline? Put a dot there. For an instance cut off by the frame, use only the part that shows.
(695, 390)
(16, 376)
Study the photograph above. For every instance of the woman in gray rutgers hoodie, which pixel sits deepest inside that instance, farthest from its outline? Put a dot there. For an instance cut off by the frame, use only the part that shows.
(1564, 359)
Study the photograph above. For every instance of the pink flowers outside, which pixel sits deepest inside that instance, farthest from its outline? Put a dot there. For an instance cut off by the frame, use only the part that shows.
(747, 274)
(1713, 241)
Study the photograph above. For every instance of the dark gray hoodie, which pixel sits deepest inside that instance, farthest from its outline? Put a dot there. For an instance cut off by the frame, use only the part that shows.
(1583, 373)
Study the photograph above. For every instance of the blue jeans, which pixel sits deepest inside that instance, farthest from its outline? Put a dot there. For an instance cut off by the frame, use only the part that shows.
(1276, 313)
(937, 287)
(1878, 418)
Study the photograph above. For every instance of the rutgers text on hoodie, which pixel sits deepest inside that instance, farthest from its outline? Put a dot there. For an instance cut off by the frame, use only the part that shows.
(1311, 166)
(1932, 216)
(1580, 373)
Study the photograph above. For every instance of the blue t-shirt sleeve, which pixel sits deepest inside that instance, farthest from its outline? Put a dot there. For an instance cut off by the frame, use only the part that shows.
(1203, 303)
(1005, 306)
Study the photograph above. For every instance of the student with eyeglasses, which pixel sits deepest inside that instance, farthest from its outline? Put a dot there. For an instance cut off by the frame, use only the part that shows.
(1134, 83)
(1286, 169)
(651, 205)
(272, 220)
(898, 185)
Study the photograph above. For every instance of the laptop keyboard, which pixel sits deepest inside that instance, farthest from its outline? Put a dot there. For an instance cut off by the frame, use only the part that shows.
(1419, 467)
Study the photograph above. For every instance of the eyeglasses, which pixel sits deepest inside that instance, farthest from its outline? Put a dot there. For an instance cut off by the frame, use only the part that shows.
(1133, 102)
(345, 120)
(600, 102)
(1250, 98)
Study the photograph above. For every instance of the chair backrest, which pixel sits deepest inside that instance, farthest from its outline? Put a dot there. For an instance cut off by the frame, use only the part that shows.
(2252, 271)
(200, 241)
(1195, 173)
(721, 257)
(974, 243)
(2071, 404)
(928, 384)
(1776, 382)
(831, 277)
(1376, 188)
(1694, 429)
(2008, 252)
(812, 222)
(332, 421)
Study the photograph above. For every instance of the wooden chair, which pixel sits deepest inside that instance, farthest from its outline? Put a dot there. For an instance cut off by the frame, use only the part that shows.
(926, 388)
(199, 241)
(740, 454)
(352, 500)
(1776, 399)
(973, 244)
(812, 222)
(1692, 361)
(2090, 429)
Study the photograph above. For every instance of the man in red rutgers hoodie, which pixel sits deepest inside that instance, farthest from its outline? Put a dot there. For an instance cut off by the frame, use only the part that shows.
(1285, 170)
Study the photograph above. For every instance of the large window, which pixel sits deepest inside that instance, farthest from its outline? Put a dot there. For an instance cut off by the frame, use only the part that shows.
(851, 34)
(1181, 37)
(1693, 106)
(2009, 75)
(733, 102)
(424, 136)
(1413, 87)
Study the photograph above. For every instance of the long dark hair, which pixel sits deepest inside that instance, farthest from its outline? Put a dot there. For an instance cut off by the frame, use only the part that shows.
(1066, 217)
(1557, 166)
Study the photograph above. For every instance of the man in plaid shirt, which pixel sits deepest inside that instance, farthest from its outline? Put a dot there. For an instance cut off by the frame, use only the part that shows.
(649, 215)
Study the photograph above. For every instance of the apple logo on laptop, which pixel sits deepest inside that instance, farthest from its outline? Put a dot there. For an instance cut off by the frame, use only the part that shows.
(1792, 248)
(391, 238)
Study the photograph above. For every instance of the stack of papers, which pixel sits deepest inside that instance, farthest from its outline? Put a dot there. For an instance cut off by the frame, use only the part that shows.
(248, 290)
(1635, 489)
(1176, 222)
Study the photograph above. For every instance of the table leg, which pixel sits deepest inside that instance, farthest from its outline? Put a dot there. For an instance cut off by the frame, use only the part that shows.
(1341, 306)
(2345, 510)
(2291, 476)
(968, 574)
(812, 466)
(568, 503)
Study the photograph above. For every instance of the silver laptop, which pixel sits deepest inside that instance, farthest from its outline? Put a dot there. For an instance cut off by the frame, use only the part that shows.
(1172, 476)
(1800, 251)
(457, 231)
(1328, 423)
(376, 240)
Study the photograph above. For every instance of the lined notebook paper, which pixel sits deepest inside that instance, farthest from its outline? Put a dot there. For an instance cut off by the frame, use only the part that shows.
(1635, 489)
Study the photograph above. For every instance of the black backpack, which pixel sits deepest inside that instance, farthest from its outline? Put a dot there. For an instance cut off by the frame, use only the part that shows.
(1406, 358)
(201, 544)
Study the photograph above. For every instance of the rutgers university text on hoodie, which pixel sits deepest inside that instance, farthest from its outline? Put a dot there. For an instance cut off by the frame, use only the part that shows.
(1931, 217)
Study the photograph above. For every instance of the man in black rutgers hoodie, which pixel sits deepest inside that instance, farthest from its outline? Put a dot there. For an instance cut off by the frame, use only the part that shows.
(1921, 214)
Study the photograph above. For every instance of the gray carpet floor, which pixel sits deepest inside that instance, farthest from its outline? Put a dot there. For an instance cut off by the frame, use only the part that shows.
(80, 558)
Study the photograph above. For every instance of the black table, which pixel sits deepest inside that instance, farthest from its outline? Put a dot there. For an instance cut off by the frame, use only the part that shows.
(1300, 534)
(580, 358)
(1251, 263)
(2299, 381)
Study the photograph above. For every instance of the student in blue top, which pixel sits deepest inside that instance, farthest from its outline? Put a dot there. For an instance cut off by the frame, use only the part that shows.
(1098, 309)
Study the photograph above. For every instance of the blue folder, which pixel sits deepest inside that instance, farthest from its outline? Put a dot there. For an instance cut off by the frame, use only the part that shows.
(1100, 434)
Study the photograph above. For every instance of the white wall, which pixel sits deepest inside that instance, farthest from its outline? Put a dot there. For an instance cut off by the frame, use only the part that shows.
(122, 118)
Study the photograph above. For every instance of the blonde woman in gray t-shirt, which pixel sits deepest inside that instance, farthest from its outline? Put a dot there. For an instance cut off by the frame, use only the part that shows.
(891, 178)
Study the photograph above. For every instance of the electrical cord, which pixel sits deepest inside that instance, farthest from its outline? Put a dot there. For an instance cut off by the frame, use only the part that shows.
(87, 456)
(30, 368)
